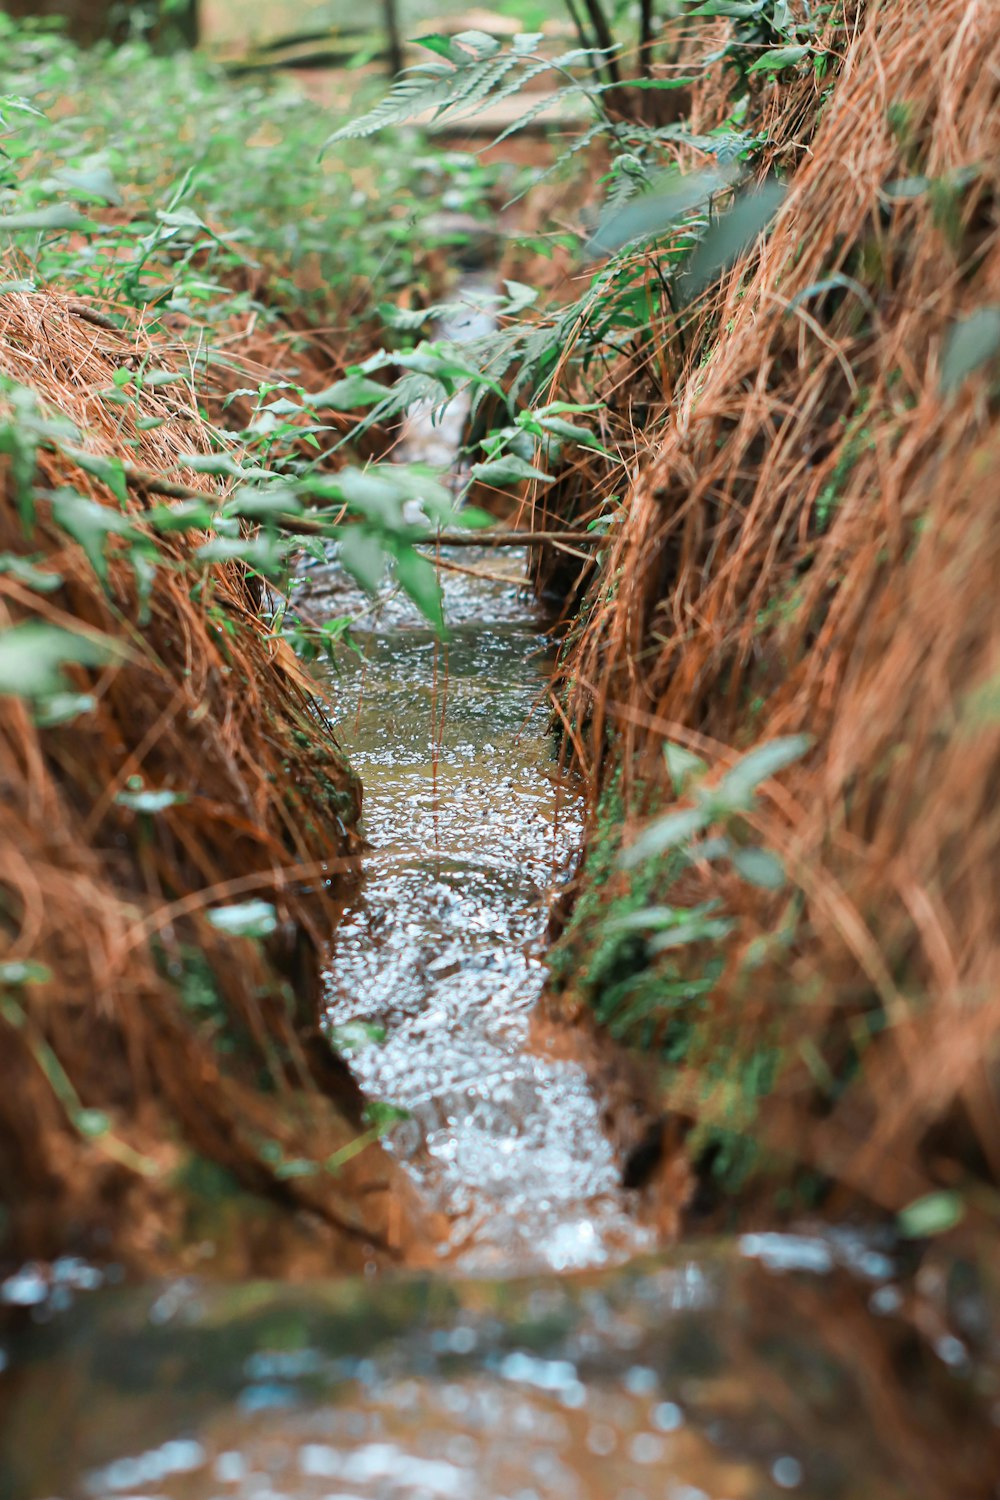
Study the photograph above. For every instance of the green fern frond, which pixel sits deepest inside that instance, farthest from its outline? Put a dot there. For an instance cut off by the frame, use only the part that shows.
(522, 80)
(410, 95)
(476, 72)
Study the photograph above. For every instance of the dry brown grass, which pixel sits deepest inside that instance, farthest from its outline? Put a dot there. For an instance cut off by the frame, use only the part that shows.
(813, 544)
(113, 902)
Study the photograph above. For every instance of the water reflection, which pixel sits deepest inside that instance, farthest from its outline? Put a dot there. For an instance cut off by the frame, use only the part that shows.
(729, 1377)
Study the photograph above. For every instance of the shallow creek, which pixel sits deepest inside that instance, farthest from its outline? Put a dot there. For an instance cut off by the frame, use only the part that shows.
(470, 830)
(549, 1356)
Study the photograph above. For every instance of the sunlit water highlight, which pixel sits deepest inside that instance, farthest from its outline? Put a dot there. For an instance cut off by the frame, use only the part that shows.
(471, 829)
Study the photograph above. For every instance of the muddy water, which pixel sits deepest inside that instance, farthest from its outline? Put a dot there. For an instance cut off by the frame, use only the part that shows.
(470, 829)
(781, 1365)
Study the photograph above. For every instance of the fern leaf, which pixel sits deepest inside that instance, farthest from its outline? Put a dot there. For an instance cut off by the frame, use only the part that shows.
(479, 88)
(523, 79)
(542, 103)
(408, 96)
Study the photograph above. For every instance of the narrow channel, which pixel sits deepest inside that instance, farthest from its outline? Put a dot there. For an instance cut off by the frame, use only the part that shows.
(471, 829)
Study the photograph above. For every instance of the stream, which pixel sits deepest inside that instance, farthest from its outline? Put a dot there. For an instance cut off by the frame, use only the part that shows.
(470, 830)
(554, 1354)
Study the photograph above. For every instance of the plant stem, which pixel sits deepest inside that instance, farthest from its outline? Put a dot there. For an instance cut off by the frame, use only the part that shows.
(605, 39)
(646, 38)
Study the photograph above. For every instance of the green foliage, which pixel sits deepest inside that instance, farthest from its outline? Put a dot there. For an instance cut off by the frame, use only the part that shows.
(973, 343)
(210, 182)
(766, 37)
(931, 1215)
(474, 69)
(256, 918)
(722, 802)
(648, 963)
(34, 654)
(513, 368)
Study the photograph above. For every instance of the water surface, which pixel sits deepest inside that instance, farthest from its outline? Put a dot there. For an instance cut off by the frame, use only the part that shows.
(471, 830)
(783, 1365)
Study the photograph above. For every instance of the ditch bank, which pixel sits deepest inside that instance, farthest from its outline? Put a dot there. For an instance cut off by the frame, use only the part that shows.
(178, 840)
(781, 679)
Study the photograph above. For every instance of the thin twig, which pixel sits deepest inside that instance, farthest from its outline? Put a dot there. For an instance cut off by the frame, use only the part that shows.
(159, 484)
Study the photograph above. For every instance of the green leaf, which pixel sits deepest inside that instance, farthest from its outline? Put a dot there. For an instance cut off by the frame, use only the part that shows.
(104, 466)
(666, 833)
(63, 708)
(658, 918)
(510, 469)
(519, 297)
(298, 1166)
(255, 918)
(363, 555)
(16, 972)
(380, 1113)
(739, 10)
(355, 1036)
(730, 234)
(479, 43)
(661, 83)
(935, 1213)
(33, 654)
(700, 931)
(153, 379)
(89, 182)
(435, 42)
(180, 218)
(263, 503)
(655, 211)
(737, 787)
(779, 57)
(90, 523)
(25, 572)
(972, 343)
(265, 554)
(150, 800)
(474, 519)
(907, 188)
(186, 515)
(419, 579)
(348, 394)
(569, 432)
(58, 216)
(212, 463)
(760, 867)
(92, 1122)
(682, 765)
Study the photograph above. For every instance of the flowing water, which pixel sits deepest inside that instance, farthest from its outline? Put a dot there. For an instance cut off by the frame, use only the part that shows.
(535, 1364)
(470, 830)
(780, 1365)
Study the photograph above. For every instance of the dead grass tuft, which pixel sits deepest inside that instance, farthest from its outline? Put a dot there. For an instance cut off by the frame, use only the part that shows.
(811, 544)
(158, 1041)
